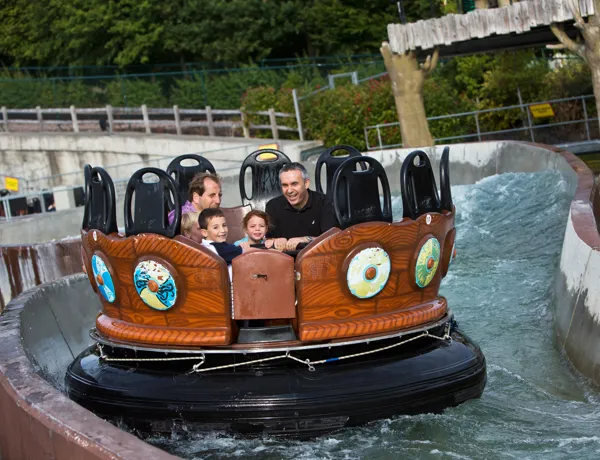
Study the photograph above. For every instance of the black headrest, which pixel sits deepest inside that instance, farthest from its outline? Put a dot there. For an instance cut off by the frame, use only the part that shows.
(445, 194)
(356, 193)
(332, 163)
(265, 166)
(151, 204)
(417, 184)
(182, 175)
(99, 209)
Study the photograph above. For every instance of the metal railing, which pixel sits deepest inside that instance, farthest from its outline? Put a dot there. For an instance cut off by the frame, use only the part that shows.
(148, 120)
(528, 126)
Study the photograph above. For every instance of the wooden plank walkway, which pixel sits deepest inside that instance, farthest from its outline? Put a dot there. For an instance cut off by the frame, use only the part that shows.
(517, 18)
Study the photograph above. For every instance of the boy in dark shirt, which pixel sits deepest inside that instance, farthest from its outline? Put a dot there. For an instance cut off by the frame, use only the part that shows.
(213, 226)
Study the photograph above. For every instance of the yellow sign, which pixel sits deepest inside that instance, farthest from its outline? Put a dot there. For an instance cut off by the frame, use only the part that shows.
(274, 146)
(11, 183)
(541, 110)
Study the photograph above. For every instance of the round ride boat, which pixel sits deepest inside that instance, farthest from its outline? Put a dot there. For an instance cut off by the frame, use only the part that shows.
(344, 331)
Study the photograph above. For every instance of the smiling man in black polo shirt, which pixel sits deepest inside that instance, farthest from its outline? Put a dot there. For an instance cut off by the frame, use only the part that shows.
(299, 214)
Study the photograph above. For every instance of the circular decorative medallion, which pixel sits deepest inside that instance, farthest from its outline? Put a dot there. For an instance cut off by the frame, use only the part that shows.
(427, 262)
(155, 285)
(368, 272)
(103, 279)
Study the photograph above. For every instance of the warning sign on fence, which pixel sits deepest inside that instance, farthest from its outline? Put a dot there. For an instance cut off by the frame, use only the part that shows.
(11, 183)
(541, 111)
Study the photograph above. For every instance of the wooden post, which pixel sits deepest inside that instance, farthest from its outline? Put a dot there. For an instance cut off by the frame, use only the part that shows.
(5, 118)
(245, 128)
(40, 118)
(109, 118)
(146, 119)
(177, 120)
(74, 119)
(209, 119)
(298, 117)
(273, 120)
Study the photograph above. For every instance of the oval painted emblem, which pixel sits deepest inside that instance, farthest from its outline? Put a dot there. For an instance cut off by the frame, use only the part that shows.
(155, 285)
(103, 279)
(427, 262)
(368, 272)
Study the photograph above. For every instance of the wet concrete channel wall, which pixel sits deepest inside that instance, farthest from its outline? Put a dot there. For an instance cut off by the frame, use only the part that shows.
(37, 155)
(45, 327)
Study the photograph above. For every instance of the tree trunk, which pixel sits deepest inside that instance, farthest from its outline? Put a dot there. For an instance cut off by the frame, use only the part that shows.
(481, 4)
(503, 3)
(407, 83)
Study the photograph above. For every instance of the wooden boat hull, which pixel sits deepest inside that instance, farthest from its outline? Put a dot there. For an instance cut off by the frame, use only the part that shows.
(281, 397)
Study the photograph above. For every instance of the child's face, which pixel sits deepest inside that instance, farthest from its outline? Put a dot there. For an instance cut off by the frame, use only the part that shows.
(256, 229)
(195, 233)
(216, 231)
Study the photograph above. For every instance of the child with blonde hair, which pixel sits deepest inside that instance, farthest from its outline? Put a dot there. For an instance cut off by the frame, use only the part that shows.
(190, 227)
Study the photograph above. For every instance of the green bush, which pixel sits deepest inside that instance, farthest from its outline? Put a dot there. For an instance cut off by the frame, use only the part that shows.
(124, 92)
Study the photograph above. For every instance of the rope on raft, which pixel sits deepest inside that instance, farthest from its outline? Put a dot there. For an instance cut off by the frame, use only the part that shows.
(310, 364)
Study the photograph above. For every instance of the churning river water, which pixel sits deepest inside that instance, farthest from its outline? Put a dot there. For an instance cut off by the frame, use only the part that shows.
(510, 230)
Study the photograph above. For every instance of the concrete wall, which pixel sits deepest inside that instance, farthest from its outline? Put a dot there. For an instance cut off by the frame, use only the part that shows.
(37, 421)
(34, 156)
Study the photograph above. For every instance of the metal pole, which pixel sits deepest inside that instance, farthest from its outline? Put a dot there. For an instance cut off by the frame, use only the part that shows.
(74, 119)
(245, 128)
(379, 137)
(43, 203)
(40, 118)
(109, 116)
(177, 120)
(6, 209)
(587, 122)
(209, 120)
(5, 118)
(477, 123)
(273, 120)
(298, 117)
(146, 118)
(523, 108)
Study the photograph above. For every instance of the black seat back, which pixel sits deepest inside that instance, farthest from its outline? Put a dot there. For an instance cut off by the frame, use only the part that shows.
(182, 175)
(100, 211)
(265, 166)
(151, 204)
(445, 193)
(356, 193)
(332, 163)
(417, 184)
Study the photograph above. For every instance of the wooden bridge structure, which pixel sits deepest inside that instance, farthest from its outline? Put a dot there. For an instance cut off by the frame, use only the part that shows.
(524, 24)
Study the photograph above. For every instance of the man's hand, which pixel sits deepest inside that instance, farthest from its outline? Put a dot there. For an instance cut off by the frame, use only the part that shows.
(279, 243)
(293, 242)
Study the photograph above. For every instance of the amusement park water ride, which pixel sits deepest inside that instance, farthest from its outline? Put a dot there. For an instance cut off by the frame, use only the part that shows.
(352, 328)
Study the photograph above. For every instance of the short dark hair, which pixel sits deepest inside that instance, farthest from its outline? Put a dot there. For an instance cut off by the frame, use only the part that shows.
(295, 166)
(206, 215)
(255, 212)
(196, 185)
